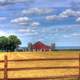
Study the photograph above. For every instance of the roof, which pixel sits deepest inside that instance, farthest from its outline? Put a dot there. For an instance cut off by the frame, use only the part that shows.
(40, 45)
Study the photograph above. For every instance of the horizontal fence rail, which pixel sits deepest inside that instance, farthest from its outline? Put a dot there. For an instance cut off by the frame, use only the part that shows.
(39, 68)
(41, 59)
(45, 78)
(6, 69)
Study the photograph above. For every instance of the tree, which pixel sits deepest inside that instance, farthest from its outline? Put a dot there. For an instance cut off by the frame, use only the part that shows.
(14, 42)
(9, 43)
(3, 43)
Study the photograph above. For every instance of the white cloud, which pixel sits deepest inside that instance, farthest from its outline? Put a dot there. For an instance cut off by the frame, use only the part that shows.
(77, 14)
(75, 34)
(66, 36)
(21, 20)
(65, 14)
(25, 21)
(17, 0)
(52, 17)
(34, 24)
(37, 11)
(50, 30)
(29, 32)
(78, 19)
(70, 12)
(62, 16)
(26, 30)
(3, 33)
(6, 2)
(56, 17)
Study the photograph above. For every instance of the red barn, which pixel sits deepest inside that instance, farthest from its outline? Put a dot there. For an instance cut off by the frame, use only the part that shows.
(40, 46)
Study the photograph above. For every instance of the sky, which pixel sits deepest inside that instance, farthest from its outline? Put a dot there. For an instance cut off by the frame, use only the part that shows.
(49, 21)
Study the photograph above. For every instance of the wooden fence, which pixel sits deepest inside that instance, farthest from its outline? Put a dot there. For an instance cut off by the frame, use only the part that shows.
(6, 69)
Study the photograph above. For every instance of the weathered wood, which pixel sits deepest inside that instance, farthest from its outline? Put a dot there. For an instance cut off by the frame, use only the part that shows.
(41, 59)
(46, 78)
(5, 68)
(43, 68)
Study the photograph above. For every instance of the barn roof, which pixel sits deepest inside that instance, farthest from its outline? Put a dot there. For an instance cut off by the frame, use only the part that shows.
(39, 45)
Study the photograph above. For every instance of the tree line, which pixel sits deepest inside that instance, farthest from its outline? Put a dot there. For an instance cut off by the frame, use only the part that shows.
(9, 43)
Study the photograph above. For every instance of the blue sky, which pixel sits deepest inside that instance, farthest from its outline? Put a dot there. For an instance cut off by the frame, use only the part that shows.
(48, 21)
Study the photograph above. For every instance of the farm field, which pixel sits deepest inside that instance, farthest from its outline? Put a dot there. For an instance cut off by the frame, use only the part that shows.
(48, 63)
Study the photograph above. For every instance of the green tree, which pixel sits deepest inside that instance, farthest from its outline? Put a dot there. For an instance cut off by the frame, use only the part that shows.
(13, 42)
(3, 43)
(9, 43)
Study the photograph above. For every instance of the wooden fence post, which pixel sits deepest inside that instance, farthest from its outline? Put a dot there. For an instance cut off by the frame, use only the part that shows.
(5, 67)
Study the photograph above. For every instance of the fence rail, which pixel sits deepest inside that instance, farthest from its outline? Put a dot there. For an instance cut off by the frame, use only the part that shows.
(41, 59)
(40, 68)
(6, 69)
(45, 78)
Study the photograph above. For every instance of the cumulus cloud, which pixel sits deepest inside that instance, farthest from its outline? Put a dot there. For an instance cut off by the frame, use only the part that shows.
(51, 17)
(34, 24)
(78, 19)
(56, 17)
(65, 14)
(6, 2)
(38, 11)
(70, 12)
(25, 21)
(21, 20)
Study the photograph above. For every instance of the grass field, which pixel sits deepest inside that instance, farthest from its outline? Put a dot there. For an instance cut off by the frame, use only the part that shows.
(48, 63)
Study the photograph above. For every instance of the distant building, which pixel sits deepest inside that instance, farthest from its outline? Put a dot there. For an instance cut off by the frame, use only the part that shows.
(39, 46)
(52, 46)
(30, 47)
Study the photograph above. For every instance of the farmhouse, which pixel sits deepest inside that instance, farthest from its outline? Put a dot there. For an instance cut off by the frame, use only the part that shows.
(39, 46)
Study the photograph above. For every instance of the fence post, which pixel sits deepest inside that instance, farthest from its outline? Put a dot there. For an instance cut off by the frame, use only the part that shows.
(5, 67)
